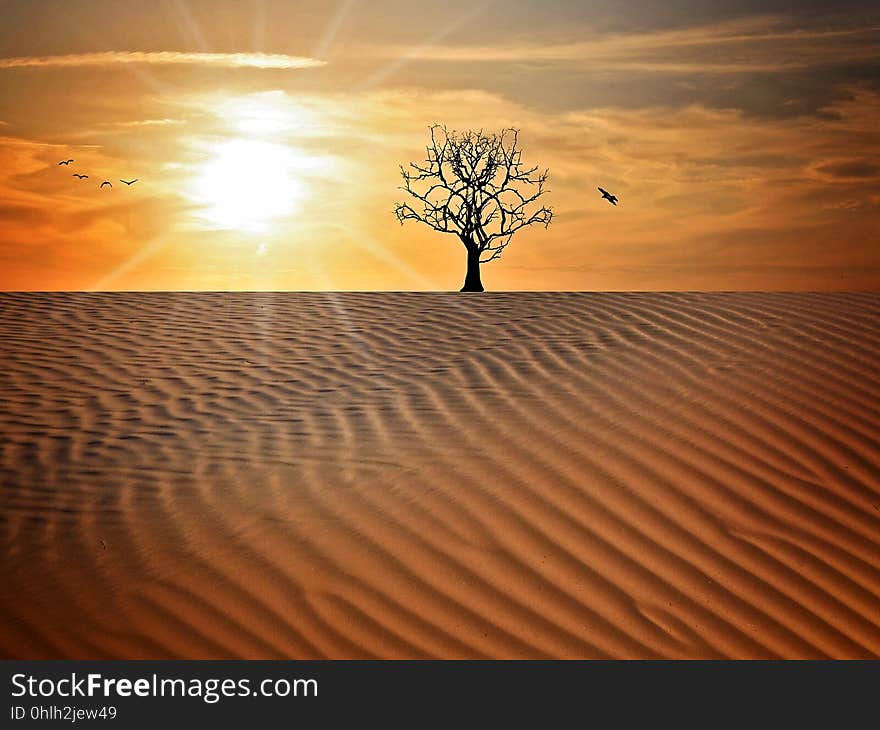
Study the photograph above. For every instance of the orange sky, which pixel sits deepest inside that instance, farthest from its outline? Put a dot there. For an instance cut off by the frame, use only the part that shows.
(266, 137)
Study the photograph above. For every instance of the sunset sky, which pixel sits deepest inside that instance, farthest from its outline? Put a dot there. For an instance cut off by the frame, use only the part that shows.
(742, 138)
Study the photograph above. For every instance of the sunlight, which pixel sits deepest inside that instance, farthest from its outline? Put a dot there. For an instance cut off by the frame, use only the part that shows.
(248, 184)
(266, 113)
(258, 175)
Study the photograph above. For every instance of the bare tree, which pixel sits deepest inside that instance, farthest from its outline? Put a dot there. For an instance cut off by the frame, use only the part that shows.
(475, 186)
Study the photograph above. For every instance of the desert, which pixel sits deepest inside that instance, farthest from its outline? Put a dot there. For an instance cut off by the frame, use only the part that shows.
(424, 475)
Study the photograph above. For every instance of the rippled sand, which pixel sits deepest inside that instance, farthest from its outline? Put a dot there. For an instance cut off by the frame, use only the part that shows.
(438, 475)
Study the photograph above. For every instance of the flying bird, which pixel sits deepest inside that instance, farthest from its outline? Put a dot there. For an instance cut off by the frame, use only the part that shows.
(65, 162)
(129, 182)
(608, 196)
(106, 182)
(81, 177)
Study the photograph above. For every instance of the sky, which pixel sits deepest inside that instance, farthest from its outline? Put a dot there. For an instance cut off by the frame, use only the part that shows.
(742, 139)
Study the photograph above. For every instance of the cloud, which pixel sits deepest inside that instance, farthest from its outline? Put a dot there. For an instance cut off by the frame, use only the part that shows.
(165, 122)
(857, 169)
(757, 44)
(112, 58)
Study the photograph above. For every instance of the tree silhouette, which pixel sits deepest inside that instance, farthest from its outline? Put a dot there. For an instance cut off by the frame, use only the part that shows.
(475, 186)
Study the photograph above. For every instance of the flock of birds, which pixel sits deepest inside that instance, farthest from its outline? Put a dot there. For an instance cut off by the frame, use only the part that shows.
(106, 183)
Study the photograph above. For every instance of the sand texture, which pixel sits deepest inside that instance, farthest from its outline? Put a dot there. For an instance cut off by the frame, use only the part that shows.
(384, 475)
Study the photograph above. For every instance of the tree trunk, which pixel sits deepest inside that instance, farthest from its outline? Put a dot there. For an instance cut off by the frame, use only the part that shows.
(472, 278)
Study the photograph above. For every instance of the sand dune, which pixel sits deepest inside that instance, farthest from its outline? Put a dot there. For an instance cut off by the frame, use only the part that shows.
(520, 475)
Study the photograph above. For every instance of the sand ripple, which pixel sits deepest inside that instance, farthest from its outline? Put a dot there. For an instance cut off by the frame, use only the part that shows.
(521, 475)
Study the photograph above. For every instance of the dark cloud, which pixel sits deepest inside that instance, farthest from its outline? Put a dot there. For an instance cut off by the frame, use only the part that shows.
(24, 214)
(76, 26)
(849, 169)
(763, 95)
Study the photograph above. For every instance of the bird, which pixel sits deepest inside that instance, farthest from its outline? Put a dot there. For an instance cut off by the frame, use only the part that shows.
(65, 162)
(81, 177)
(129, 182)
(608, 196)
(106, 182)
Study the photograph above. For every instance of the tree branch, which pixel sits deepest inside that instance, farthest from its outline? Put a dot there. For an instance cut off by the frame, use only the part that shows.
(474, 184)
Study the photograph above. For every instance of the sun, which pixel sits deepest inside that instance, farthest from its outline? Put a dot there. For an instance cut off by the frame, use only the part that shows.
(259, 166)
(248, 185)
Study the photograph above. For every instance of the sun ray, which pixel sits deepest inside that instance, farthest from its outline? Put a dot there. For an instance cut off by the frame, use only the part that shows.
(190, 25)
(258, 36)
(329, 35)
(395, 65)
(95, 41)
(375, 248)
(144, 253)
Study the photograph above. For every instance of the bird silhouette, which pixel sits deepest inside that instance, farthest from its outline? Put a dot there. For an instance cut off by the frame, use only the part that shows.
(81, 177)
(129, 182)
(65, 162)
(608, 196)
(106, 182)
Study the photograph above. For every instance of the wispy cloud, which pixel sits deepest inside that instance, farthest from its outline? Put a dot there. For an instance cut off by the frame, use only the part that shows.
(112, 58)
(753, 44)
(148, 123)
(851, 169)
